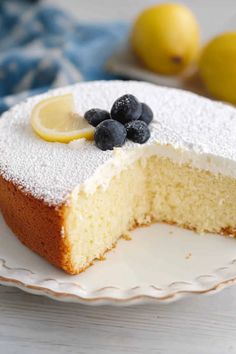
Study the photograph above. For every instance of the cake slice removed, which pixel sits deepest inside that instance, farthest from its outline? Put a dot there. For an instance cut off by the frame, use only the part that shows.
(71, 202)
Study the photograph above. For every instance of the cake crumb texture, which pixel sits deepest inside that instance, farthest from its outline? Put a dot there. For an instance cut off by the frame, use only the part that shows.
(159, 191)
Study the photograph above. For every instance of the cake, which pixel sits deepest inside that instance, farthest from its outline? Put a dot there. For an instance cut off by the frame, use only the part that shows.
(71, 203)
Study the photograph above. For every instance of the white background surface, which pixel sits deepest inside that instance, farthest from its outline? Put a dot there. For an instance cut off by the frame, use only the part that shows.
(31, 324)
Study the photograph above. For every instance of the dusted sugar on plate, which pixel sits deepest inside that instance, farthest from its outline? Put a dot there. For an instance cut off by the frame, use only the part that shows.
(71, 202)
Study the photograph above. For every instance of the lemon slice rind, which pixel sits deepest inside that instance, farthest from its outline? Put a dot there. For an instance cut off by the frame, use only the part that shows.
(54, 120)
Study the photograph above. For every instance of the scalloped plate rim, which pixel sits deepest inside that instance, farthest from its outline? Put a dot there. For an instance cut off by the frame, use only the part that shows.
(106, 300)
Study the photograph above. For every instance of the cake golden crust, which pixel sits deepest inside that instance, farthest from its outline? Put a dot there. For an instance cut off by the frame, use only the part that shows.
(36, 224)
(39, 226)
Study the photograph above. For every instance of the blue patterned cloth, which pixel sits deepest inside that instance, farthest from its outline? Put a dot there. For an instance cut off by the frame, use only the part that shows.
(42, 47)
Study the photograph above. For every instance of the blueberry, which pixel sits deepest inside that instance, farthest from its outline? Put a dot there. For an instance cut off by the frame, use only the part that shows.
(137, 131)
(126, 108)
(147, 114)
(109, 134)
(95, 116)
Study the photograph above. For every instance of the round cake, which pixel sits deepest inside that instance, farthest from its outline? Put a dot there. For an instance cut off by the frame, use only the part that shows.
(71, 202)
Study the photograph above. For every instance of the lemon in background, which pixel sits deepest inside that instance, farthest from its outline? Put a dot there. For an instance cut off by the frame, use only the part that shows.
(217, 67)
(166, 38)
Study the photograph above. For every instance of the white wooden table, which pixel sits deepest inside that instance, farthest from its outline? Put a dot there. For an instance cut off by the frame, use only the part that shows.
(32, 324)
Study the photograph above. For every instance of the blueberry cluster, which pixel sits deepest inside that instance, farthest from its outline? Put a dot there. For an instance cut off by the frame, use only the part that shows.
(128, 118)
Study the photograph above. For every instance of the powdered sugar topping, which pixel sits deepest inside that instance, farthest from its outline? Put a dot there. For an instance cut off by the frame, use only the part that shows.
(50, 171)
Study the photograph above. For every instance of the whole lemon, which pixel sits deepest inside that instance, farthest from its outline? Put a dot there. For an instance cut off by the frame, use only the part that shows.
(166, 38)
(217, 67)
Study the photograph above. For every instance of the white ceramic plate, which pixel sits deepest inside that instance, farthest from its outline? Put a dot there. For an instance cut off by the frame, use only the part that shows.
(161, 263)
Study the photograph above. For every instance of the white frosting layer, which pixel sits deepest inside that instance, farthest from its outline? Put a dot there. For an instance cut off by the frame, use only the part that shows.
(186, 128)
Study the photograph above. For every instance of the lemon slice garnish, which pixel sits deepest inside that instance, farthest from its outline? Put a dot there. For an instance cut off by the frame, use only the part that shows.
(54, 119)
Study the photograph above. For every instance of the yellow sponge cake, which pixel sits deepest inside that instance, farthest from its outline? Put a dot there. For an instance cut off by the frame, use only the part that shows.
(70, 203)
